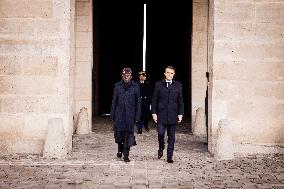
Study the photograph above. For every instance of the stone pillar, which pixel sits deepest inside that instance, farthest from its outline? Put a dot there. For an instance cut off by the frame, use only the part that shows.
(83, 126)
(199, 54)
(224, 144)
(54, 146)
(246, 40)
(84, 55)
(199, 127)
(36, 69)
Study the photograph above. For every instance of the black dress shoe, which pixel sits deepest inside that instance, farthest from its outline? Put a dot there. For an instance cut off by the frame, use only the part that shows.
(119, 154)
(126, 159)
(139, 131)
(170, 160)
(160, 153)
(147, 129)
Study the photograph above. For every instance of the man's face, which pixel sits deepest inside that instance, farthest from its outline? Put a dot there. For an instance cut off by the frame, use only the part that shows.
(142, 77)
(169, 73)
(126, 77)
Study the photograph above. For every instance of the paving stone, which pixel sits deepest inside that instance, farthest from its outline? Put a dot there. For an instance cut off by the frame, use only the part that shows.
(278, 186)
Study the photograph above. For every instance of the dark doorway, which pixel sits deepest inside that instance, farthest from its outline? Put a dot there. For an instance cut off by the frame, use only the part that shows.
(119, 36)
(118, 28)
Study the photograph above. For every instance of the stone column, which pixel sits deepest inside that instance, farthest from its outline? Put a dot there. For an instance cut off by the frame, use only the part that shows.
(247, 79)
(199, 54)
(35, 68)
(84, 56)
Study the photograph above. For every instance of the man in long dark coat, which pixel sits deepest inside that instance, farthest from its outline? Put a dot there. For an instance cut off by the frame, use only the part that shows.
(145, 94)
(167, 110)
(125, 112)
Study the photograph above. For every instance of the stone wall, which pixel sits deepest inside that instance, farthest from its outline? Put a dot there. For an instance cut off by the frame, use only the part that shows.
(248, 73)
(35, 51)
(84, 56)
(199, 55)
(72, 72)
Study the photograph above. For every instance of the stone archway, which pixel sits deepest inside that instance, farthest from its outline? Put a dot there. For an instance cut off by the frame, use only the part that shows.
(255, 38)
(86, 57)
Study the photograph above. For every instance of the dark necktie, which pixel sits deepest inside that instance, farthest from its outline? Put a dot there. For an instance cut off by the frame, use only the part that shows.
(168, 83)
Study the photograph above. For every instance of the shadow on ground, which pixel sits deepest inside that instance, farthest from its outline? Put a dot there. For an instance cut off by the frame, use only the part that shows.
(103, 123)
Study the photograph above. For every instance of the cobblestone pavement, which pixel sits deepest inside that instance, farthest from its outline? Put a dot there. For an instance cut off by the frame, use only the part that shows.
(93, 164)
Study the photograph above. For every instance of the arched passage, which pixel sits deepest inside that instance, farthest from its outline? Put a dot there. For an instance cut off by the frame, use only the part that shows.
(119, 32)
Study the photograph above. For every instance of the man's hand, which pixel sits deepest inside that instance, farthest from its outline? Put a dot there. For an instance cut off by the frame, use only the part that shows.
(155, 118)
(179, 118)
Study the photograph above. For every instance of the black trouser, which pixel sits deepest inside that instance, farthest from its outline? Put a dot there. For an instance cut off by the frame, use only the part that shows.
(171, 129)
(141, 123)
(124, 150)
(145, 122)
(145, 112)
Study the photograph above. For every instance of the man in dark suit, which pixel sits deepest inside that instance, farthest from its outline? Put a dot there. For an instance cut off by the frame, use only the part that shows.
(167, 110)
(145, 94)
(125, 112)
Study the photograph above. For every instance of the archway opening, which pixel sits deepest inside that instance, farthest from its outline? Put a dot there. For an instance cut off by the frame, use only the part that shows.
(118, 38)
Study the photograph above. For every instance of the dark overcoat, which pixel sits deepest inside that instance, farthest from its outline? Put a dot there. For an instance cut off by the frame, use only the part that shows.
(167, 102)
(126, 106)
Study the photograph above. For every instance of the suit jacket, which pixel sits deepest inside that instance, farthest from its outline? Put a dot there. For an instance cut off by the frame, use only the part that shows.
(167, 102)
(126, 106)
